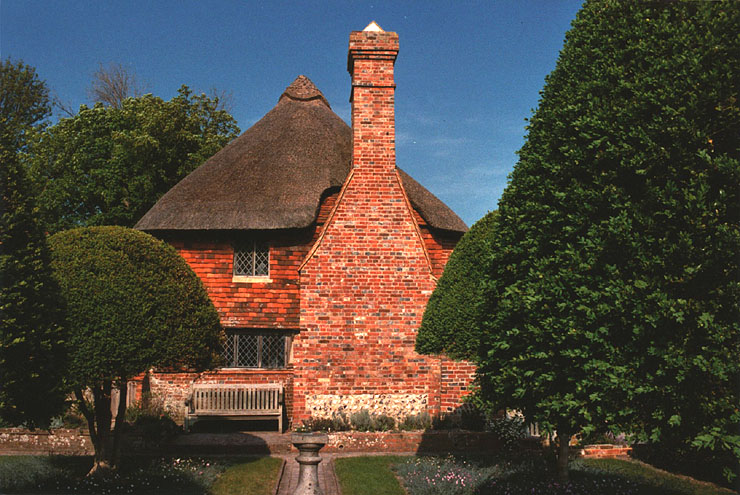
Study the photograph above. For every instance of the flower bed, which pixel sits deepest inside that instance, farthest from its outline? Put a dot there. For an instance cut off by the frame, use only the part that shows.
(412, 441)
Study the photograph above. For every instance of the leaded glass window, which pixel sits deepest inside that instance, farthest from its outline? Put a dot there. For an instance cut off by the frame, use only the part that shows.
(250, 349)
(252, 259)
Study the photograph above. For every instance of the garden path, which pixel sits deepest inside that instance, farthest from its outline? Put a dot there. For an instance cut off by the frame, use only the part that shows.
(327, 477)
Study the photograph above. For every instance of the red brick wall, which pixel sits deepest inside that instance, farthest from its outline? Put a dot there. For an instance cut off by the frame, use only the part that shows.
(456, 379)
(364, 288)
(243, 305)
(272, 304)
(439, 244)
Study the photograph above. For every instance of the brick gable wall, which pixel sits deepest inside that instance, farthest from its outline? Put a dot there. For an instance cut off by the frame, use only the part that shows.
(365, 285)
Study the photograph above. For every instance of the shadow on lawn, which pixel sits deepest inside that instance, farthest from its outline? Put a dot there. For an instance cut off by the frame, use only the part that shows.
(139, 475)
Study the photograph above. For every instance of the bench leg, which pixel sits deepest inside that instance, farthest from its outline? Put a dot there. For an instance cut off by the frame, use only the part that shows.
(280, 423)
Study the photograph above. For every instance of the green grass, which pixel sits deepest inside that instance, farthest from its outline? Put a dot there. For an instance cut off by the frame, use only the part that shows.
(140, 475)
(371, 475)
(662, 481)
(256, 477)
(434, 475)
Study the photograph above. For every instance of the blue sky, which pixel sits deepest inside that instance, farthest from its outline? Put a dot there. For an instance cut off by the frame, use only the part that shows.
(468, 73)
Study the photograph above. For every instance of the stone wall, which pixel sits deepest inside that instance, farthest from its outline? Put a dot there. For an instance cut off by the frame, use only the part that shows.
(397, 406)
(19, 441)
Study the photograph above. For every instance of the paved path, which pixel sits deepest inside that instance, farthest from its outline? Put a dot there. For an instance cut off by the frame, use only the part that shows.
(327, 478)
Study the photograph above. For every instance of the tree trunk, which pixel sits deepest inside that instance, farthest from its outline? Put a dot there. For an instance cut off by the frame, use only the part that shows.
(104, 452)
(89, 417)
(563, 442)
(120, 421)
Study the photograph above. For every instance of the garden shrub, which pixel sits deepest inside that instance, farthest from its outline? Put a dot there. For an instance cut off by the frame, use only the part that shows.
(337, 422)
(383, 422)
(421, 421)
(611, 284)
(472, 419)
(362, 421)
(451, 321)
(32, 351)
(446, 422)
(71, 418)
(509, 430)
(467, 417)
(152, 420)
(132, 303)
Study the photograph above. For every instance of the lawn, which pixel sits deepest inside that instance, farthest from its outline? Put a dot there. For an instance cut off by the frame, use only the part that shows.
(462, 476)
(140, 475)
(369, 475)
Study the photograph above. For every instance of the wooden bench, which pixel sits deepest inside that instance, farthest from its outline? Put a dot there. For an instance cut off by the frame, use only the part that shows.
(217, 401)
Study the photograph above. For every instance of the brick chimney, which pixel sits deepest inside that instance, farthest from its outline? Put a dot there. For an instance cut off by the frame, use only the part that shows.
(367, 279)
(372, 54)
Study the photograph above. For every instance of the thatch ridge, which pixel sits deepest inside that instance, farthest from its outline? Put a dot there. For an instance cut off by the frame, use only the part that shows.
(274, 174)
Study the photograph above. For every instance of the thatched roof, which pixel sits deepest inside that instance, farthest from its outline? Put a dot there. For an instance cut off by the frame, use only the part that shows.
(274, 174)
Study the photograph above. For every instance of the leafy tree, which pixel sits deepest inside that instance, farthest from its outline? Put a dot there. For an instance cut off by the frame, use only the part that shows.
(132, 304)
(451, 323)
(108, 166)
(31, 350)
(24, 100)
(614, 288)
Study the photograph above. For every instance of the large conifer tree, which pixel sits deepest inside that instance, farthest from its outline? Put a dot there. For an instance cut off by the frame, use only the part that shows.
(613, 292)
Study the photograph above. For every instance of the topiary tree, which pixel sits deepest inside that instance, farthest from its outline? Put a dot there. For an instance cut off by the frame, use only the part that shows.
(451, 322)
(31, 349)
(132, 304)
(612, 297)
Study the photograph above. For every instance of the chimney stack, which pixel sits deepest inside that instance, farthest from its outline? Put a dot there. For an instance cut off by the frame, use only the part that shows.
(372, 54)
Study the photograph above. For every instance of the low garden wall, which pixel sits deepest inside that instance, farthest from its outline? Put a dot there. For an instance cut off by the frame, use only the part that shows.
(19, 441)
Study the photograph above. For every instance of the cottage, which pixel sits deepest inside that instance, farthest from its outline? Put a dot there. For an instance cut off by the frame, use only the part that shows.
(319, 253)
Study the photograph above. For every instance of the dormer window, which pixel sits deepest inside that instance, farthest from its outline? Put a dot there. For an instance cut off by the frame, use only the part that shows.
(251, 259)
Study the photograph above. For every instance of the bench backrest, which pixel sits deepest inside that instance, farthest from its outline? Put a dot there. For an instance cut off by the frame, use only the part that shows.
(216, 398)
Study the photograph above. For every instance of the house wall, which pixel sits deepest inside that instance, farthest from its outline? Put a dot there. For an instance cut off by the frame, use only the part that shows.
(271, 305)
(437, 385)
(354, 286)
(365, 285)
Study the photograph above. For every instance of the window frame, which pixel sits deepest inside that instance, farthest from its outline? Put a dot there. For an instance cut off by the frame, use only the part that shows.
(232, 333)
(250, 246)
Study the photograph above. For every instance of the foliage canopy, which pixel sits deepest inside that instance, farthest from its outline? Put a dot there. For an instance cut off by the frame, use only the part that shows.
(451, 323)
(24, 101)
(32, 354)
(612, 297)
(108, 165)
(132, 304)
(614, 286)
